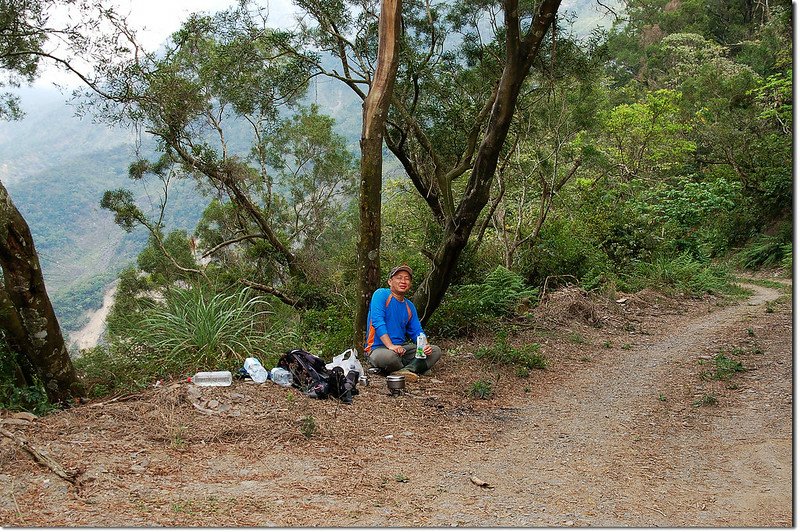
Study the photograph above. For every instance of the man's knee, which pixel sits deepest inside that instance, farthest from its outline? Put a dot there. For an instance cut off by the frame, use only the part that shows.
(434, 356)
(385, 359)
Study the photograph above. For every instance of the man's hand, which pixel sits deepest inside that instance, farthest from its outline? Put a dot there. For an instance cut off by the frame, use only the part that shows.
(427, 349)
(399, 349)
(387, 341)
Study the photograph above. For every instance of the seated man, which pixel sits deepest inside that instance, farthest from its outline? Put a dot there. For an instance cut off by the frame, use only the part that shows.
(391, 322)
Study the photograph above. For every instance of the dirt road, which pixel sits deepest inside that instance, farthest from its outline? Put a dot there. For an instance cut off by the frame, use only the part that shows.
(627, 427)
(620, 443)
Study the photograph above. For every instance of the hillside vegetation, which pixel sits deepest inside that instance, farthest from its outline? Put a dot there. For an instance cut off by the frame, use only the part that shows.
(652, 154)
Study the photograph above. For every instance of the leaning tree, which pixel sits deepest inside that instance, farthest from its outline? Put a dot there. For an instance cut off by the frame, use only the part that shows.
(462, 67)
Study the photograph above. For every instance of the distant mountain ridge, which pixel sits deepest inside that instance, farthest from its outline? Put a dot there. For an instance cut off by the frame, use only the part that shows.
(56, 168)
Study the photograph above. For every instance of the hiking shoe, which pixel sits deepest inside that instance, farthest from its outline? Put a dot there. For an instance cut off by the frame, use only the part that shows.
(408, 374)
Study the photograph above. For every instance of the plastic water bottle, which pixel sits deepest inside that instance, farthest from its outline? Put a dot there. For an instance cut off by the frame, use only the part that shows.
(211, 378)
(422, 341)
(256, 371)
(281, 377)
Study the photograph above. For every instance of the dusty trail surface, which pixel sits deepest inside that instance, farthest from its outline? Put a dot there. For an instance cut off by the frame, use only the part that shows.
(630, 425)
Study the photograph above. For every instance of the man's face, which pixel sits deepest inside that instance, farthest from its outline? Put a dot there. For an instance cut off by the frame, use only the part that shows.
(400, 283)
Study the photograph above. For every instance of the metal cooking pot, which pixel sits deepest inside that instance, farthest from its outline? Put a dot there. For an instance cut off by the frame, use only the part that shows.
(396, 383)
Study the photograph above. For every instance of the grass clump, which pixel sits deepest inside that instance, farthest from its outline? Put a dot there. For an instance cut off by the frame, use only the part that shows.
(481, 389)
(190, 330)
(683, 274)
(527, 357)
(768, 250)
(723, 368)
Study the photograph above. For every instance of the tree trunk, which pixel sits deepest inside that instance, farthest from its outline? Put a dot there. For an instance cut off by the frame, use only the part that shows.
(520, 54)
(376, 107)
(31, 328)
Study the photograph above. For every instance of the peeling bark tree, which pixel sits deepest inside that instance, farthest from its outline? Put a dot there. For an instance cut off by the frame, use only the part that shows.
(29, 323)
(410, 130)
(376, 107)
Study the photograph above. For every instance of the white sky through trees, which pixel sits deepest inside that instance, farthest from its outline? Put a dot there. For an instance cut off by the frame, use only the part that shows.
(155, 20)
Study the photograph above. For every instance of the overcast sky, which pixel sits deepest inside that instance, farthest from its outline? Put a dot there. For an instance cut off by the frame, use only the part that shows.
(155, 20)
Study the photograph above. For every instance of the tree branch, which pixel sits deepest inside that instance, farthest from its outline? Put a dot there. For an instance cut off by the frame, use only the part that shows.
(274, 291)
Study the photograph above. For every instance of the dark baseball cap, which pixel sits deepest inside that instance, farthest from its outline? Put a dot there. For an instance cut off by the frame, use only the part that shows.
(402, 267)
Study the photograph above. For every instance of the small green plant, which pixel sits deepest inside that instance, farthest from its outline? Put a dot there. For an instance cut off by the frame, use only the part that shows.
(177, 440)
(481, 389)
(401, 477)
(308, 426)
(626, 346)
(662, 397)
(522, 372)
(290, 398)
(706, 400)
(607, 344)
(770, 307)
(527, 356)
(576, 338)
(750, 332)
(586, 358)
(725, 367)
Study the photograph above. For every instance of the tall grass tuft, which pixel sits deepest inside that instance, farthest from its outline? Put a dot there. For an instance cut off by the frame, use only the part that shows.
(207, 332)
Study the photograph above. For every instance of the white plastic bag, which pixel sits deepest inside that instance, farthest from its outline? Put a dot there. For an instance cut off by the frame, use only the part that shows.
(347, 364)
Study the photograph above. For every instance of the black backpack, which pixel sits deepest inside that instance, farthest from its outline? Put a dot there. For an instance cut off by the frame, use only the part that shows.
(310, 376)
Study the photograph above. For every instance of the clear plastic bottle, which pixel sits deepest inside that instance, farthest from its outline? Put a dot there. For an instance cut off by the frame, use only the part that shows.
(281, 377)
(422, 341)
(256, 371)
(211, 378)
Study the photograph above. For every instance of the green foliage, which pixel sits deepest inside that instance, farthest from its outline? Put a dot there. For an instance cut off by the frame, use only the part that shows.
(786, 261)
(468, 307)
(501, 352)
(327, 331)
(190, 330)
(706, 400)
(213, 331)
(682, 274)
(566, 248)
(161, 268)
(767, 250)
(646, 139)
(126, 214)
(16, 397)
(481, 389)
(724, 367)
(308, 426)
(105, 370)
